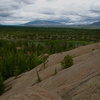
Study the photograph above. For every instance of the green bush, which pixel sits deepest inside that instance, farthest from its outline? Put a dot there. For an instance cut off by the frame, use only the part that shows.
(67, 62)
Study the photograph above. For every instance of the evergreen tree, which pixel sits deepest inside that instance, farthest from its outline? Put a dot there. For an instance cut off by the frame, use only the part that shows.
(16, 71)
(1, 85)
(67, 61)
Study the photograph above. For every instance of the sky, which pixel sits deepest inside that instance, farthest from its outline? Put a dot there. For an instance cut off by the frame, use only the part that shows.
(14, 12)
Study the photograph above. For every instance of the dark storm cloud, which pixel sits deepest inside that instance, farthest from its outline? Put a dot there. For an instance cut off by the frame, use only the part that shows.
(73, 11)
(5, 14)
(95, 11)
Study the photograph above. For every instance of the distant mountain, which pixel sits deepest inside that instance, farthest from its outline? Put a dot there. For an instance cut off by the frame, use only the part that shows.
(60, 23)
(57, 23)
(44, 23)
(96, 24)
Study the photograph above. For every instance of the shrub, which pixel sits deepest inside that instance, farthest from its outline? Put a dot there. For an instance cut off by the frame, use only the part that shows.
(67, 62)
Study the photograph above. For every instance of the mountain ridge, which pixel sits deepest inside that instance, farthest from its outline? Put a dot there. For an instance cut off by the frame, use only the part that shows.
(43, 23)
(58, 23)
(53, 23)
(96, 23)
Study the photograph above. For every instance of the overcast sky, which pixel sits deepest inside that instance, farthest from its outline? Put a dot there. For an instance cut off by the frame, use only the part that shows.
(66, 11)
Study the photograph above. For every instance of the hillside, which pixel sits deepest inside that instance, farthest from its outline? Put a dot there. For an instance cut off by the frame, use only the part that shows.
(79, 82)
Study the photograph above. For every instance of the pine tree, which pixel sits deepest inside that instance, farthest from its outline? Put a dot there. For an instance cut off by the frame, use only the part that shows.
(16, 71)
(67, 61)
(1, 85)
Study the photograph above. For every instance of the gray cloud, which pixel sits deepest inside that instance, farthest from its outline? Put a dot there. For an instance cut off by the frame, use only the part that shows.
(73, 11)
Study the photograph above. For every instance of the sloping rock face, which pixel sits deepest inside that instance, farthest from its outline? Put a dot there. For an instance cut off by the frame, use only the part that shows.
(79, 82)
(31, 93)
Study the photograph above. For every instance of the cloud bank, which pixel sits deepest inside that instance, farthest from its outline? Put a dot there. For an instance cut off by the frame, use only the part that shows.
(66, 11)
